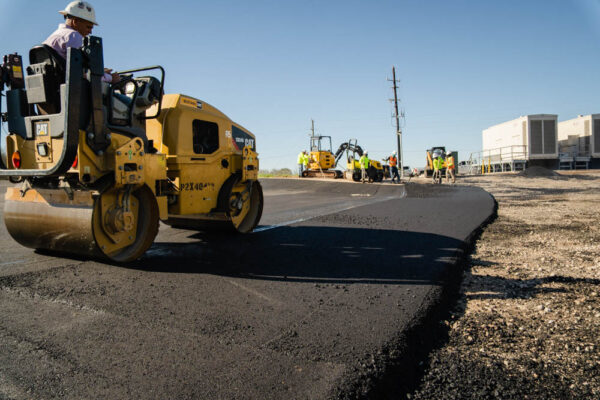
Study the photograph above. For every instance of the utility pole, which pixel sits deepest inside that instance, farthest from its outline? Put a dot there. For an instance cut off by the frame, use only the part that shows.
(398, 129)
(312, 127)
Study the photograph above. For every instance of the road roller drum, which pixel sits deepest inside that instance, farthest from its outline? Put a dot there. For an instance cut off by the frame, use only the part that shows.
(96, 175)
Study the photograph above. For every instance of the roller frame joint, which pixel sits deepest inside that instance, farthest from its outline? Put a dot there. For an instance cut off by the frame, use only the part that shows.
(129, 160)
(249, 164)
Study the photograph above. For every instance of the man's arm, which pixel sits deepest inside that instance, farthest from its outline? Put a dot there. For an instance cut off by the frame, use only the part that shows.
(109, 76)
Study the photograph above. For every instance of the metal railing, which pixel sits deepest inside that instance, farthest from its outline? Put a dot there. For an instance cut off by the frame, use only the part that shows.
(501, 159)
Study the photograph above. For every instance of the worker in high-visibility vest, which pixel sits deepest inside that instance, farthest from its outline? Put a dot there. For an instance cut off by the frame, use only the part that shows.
(306, 159)
(301, 158)
(438, 164)
(450, 168)
(364, 166)
(393, 160)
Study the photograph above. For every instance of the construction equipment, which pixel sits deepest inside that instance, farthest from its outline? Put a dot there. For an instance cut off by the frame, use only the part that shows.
(99, 165)
(353, 153)
(431, 154)
(439, 151)
(321, 160)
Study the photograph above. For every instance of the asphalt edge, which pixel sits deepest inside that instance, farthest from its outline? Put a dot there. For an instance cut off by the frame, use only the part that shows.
(397, 370)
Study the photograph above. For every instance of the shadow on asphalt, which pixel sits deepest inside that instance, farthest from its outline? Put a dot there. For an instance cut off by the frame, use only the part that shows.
(310, 254)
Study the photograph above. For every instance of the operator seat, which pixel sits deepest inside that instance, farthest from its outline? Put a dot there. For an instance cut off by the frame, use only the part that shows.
(44, 60)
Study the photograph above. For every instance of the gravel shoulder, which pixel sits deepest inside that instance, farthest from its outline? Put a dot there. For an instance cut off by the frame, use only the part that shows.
(527, 322)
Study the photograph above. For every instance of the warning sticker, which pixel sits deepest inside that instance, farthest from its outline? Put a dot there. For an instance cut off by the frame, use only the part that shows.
(17, 71)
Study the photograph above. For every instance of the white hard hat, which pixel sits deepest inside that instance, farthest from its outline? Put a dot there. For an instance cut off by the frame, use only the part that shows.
(394, 152)
(80, 9)
(366, 152)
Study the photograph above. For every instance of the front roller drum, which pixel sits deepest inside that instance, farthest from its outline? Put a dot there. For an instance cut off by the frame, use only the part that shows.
(245, 206)
(51, 220)
(82, 222)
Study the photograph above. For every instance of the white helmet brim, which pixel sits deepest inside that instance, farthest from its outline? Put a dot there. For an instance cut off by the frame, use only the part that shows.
(80, 9)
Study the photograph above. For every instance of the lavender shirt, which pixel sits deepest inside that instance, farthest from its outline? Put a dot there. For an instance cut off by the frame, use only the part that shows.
(65, 37)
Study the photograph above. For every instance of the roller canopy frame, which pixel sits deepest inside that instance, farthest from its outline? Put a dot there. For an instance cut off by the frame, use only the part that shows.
(74, 103)
(162, 85)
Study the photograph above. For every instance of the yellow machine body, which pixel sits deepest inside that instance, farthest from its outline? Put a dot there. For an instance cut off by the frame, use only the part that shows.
(204, 149)
(353, 170)
(321, 160)
(355, 165)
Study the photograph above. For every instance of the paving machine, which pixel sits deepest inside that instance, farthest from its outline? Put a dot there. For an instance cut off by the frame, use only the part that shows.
(95, 166)
(321, 159)
(353, 152)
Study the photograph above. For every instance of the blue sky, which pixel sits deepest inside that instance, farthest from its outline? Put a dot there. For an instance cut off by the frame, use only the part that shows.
(273, 65)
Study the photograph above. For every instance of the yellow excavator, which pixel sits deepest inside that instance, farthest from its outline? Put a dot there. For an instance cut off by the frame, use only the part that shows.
(95, 166)
(321, 162)
(353, 153)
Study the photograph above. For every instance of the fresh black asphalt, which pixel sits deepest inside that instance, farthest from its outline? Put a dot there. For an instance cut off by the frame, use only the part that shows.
(317, 304)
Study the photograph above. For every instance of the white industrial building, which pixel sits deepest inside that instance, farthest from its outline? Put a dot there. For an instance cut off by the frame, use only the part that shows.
(526, 141)
(579, 142)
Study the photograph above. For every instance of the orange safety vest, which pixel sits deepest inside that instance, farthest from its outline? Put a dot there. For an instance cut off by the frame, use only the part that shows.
(393, 161)
(450, 162)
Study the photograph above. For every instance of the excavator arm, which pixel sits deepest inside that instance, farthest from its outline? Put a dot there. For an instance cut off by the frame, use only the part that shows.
(349, 146)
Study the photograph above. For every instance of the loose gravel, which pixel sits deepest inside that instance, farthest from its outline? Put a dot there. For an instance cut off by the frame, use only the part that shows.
(527, 323)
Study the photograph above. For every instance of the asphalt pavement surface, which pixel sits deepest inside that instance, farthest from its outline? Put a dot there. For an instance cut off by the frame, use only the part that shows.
(326, 300)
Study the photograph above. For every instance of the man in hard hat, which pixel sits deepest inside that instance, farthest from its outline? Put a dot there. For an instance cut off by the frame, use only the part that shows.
(364, 166)
(80, 19)
(305, 160)
(438, 164)
(450, 168)
(393, 161)
(300, 160)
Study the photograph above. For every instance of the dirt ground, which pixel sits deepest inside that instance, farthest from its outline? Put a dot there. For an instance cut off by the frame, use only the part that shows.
(527, 324)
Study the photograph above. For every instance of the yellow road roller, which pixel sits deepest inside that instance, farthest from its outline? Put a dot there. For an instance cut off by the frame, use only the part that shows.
(95, 166)
(353, 171)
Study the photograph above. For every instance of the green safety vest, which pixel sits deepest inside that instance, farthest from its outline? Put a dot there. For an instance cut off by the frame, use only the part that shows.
(438, 163)
(364, 162)
(301, 158)
(305, 160)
